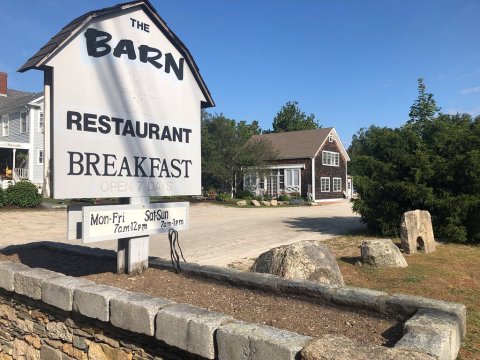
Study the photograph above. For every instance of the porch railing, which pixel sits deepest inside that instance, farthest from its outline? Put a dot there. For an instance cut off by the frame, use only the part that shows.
(20, 174)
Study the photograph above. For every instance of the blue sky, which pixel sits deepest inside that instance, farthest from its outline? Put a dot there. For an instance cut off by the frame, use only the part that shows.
(351, 63)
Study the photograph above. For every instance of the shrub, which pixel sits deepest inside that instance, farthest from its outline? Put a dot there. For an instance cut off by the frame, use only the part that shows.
(295, 195)
(211, 194)
(432, 166)
(284, 197)
(244, 194)
(2, 197)
(92, 201)
(223, 197)
(23, 194)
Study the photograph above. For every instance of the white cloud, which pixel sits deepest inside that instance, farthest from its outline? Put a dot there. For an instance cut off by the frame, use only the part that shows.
(475, 89)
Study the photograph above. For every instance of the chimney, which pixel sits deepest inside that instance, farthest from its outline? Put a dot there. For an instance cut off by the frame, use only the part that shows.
(3, 84)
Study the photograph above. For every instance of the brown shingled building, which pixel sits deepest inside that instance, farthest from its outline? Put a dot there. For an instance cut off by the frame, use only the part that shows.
(312, 163)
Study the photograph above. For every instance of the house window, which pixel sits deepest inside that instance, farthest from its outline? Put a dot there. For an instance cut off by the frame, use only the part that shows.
(24, 122)
(40, 157)
(330, 138)
(330, 158)
(337, 184)
(5, 125)
(250, 182)
(292, 177)
(325, 184)
(41, 122)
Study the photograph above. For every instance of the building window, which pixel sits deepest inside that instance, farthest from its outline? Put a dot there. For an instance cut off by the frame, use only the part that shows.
(337, 184)
(330, 158)
(325, 184)
(5, 125)
(40, 157)
(292, 177)
(330, 138)
(41, 122)
(24, 122)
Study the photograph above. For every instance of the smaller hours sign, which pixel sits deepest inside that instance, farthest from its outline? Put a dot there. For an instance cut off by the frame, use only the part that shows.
(123, 221)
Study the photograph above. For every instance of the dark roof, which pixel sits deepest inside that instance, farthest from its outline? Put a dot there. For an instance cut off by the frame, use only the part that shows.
(17, 98)
(296, 144)
(37, 61)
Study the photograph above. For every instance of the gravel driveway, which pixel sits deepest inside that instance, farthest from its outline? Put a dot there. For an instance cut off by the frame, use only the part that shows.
(218, 235)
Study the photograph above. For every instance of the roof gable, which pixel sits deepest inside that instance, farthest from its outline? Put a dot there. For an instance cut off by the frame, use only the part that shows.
(300, 144)
(56, 43)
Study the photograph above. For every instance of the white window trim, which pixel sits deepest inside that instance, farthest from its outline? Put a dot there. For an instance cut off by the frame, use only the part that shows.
(40, 127)
(336, 156)
(38, 157)
(339, 183)
(293, 177)
(5, 120)
(292, 166)
(321, 184)
(27, 125)
(331, 138)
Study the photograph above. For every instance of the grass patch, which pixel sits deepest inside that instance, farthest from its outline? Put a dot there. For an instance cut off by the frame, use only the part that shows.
(451, 273)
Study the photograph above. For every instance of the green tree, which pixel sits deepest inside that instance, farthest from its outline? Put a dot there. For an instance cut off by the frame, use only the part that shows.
(438, 169)
(291, 118)
(424, 108)
(431, 163)
(227, 151)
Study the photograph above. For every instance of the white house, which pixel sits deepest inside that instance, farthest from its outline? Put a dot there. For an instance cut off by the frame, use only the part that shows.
(21, 135)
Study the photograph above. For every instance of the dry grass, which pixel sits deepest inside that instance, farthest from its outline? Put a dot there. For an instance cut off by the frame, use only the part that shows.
(451, 273)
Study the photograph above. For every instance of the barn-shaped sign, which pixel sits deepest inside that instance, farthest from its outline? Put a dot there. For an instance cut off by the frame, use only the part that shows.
(124, 98)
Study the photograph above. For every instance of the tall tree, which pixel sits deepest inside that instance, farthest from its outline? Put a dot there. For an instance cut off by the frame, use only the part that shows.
(435, 168)
(424, 108)
(291, 118)
(227, 150)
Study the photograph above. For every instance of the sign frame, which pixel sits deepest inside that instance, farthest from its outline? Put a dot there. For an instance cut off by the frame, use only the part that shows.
(125, 216)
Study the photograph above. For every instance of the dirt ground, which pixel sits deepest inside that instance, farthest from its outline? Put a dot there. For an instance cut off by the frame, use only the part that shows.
(289, 313)
(218, 235)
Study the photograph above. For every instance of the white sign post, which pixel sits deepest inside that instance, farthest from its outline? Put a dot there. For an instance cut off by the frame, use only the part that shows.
(123, 103)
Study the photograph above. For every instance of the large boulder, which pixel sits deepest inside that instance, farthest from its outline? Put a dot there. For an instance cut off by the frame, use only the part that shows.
(382, 253)
(416, 232)
(305, 260)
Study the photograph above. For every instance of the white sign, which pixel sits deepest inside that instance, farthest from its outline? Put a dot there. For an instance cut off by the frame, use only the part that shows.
(126, 112)
(123, 221)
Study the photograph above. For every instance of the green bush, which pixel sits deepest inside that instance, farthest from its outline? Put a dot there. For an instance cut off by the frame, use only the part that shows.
(2, 197)
(92, 201)
(435, 167)
(211, 194)
(295, 195)
(223, 197)
(244, 194)
(284, 197)
(23, 194)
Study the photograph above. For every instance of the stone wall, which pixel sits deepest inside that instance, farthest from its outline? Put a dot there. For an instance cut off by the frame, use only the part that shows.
(30, 329)
(47, 315)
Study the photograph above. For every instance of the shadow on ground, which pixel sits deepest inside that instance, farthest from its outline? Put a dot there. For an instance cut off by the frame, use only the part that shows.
(75, 260)
(337, 225)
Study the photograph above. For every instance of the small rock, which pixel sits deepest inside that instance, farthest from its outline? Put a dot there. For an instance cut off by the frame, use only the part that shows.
(382, 253)
(242, 203)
